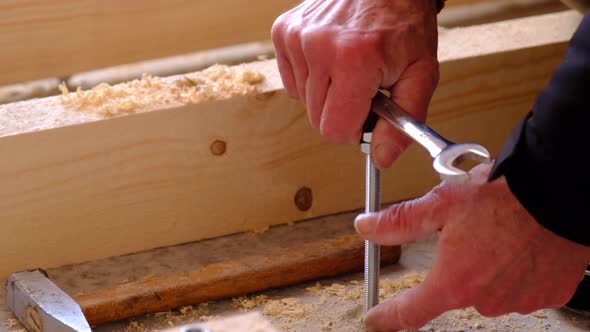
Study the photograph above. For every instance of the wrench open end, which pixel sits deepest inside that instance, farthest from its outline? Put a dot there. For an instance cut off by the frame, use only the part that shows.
(445, 163)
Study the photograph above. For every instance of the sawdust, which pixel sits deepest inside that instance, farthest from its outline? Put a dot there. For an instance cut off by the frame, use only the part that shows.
(213, 83)
(287, 308)
(391, 287)
(387, 287)
(12, 322)
(467, 314)
(134, 326)
(183, 315)
(245, 303)
(539, 314)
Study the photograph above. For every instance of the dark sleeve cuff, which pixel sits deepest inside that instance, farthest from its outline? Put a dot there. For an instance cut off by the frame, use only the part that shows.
(554, 196)
(543, 160)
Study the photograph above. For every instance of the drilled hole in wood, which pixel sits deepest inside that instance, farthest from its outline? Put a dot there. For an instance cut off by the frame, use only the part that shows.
(218, 148)
(303, 199)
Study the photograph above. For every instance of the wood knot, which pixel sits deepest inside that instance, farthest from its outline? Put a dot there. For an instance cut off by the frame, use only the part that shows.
(303, 198)
(218, 147)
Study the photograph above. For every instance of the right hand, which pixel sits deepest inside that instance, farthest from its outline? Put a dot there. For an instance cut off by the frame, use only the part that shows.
(335, 54)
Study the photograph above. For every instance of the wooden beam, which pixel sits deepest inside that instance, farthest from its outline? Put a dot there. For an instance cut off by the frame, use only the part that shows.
(481, 12)
(77, 186)
(44, 39)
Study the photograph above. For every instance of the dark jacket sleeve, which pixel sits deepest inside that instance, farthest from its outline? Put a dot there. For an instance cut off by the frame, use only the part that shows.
(544, 159)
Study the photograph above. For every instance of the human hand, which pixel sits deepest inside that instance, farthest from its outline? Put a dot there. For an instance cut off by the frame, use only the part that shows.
(335, 54)
(491, 255)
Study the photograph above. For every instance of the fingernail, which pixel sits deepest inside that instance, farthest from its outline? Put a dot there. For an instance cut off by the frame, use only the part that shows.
(364, 224)
(384, 155)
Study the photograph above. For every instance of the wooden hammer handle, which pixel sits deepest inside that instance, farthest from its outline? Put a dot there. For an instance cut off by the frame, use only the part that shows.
(287, 266)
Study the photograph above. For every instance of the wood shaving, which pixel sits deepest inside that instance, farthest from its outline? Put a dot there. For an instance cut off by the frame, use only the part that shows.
(391, 287)
(539, 314)
(135, 327)
(467, 314)
(184, 315)
(214, 83)
(12, 322)
(316, 288)
(478, 325)
(387, 287)
(249, 303)
(287, 308)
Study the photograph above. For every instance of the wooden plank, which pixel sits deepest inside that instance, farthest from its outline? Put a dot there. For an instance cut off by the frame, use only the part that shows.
(76, 188)
(232, 265)
(44, 39)
(233, 277)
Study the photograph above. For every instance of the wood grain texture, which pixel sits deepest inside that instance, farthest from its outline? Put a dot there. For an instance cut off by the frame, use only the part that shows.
(44, 39)
(77, 188)
(266, 270)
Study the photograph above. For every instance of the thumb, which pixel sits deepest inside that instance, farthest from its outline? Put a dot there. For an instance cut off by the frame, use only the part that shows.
(412, 92)
(410, 309)
(406, 221)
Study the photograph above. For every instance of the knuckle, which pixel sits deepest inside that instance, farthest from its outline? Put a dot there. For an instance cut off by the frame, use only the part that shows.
(316, 41)
(398, 217)
(357, 49)
(278, 29)
(292, 35)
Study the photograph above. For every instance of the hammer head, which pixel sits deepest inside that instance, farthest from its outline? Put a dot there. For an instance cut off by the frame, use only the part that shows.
(42, 306)
(447, 160)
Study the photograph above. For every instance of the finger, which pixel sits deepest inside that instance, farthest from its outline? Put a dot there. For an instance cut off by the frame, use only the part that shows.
(408, 220)
(347, 105)
(318, 58)
(412, 92)
(410, 309)
(317, 88)
(278, 33)
(294, 53)
(388, 144)
(287, 76)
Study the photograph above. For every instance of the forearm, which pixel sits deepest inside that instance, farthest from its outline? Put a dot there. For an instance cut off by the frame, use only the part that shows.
(542, 160)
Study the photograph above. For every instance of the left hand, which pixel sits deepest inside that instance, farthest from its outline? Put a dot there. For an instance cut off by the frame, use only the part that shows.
(491, 255)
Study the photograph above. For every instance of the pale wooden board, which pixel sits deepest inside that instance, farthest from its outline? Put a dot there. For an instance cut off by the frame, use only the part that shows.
(482, 12)
(76, 189)
(43, 39)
